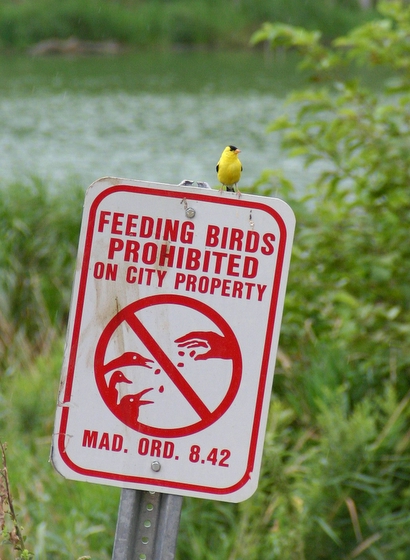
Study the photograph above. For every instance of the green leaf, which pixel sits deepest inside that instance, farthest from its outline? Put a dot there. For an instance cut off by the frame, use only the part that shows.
(329, 531)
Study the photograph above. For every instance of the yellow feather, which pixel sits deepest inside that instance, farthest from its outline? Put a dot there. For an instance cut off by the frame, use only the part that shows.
(229, 167)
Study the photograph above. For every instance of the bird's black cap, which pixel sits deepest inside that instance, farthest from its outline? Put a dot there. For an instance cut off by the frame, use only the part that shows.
(233, 148)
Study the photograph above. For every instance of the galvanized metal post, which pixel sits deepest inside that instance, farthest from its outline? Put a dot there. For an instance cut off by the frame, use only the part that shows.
(147, 526)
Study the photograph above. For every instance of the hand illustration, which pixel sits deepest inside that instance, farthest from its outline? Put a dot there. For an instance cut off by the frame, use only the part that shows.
(215, 345)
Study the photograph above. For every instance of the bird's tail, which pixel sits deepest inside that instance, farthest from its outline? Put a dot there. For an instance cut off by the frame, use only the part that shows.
(230, 188)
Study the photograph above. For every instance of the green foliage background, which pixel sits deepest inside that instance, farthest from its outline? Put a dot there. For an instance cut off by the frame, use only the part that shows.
(336, 467)
(161, 23)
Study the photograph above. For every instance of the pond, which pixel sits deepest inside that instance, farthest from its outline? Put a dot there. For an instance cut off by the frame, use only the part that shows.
(151, 116)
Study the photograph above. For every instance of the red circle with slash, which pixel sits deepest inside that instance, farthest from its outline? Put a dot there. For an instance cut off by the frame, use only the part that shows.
(129, 316)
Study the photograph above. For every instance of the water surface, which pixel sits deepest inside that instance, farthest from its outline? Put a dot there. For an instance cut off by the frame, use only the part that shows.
(151, 116)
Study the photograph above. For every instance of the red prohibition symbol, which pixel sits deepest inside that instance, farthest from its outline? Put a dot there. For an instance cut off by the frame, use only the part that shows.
(211, 348)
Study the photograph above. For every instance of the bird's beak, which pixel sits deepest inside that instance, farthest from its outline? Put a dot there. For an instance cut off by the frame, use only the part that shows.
(237, 151)
(142, 393)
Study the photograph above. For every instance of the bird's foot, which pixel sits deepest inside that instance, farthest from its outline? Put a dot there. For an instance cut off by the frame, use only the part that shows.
(236, 190)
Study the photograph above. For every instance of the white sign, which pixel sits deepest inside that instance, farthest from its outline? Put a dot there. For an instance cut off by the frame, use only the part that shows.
(172, 337)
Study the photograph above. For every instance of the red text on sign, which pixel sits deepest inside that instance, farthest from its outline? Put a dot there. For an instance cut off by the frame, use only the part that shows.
(215, 262)
(146, 227)
(236, 239)
(215, 285)
(215, 456)
(156, 448)
(109, 442)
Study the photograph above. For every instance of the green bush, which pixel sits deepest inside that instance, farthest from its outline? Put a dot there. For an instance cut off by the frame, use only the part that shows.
(349, 280)
(183, 22)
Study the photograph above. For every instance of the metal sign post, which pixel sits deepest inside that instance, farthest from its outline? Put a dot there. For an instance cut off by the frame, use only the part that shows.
(147, 526)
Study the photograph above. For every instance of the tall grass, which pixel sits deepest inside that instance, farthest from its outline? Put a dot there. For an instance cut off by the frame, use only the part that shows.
(60, 519)
(211, 23)
(37, 253)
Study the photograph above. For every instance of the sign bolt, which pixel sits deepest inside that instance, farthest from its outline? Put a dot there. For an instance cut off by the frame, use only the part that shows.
(156, 466)
(189, 212)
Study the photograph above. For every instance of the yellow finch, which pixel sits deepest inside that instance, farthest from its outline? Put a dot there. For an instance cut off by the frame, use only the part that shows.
(229, 168)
